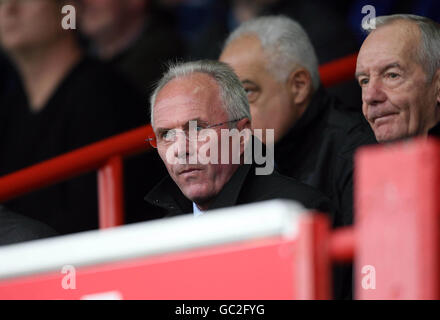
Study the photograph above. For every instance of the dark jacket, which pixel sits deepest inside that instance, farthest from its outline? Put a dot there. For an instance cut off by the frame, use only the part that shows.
(318, 151)
(243, 187)
(16, 228)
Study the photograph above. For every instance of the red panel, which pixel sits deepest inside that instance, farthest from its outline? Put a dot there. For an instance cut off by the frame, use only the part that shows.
(397, 220)
(247, 271)
(313, 263)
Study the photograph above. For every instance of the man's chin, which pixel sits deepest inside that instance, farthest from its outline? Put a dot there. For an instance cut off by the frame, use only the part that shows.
(197, 194)
(390, 137)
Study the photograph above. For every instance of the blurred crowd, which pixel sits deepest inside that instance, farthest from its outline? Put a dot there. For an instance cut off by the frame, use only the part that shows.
(63, 89)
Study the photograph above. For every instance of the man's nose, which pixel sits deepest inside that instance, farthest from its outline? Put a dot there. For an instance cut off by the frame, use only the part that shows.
(373, 92)
(180, 145)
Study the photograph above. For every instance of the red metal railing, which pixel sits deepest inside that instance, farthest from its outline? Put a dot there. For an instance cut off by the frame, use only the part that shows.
(106, 157)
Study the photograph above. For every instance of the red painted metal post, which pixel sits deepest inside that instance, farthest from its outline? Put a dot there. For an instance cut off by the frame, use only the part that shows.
(312, 263)
(397, 221)
(111, 193)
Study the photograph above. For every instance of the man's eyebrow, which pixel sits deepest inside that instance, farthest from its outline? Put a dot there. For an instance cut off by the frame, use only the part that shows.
(198, 120)
(390, 65)
(246, 81)
(360, 73)
(382, 70)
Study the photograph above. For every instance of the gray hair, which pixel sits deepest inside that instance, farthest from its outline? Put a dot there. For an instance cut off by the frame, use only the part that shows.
(232, 93)
(286, 43)
(428, 52)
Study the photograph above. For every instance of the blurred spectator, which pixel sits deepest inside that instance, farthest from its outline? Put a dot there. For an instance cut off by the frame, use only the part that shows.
(66, 101)
(324, 24)
(129, 36)
(315, 137)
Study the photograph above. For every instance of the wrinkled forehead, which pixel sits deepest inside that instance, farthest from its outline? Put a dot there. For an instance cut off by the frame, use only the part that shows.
(196, 96)
(398, 41)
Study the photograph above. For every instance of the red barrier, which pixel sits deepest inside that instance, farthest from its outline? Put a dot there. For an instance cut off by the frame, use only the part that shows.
(397, 221)
(263, 260)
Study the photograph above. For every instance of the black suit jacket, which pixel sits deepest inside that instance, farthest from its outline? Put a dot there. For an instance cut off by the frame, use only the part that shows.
(243, 187)
(319, 148)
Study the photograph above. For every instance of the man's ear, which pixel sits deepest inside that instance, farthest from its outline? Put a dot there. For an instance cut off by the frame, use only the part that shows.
(300, 85)
(244, 124)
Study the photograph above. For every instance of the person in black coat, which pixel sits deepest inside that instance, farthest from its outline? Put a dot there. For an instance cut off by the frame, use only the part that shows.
(315, 135)
(210, 94)
(65, 101)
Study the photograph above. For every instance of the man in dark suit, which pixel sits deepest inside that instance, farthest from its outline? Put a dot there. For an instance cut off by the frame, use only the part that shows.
(198, 111)
(315, 135)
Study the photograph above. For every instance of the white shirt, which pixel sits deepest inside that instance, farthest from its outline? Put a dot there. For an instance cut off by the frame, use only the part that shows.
(197, 211)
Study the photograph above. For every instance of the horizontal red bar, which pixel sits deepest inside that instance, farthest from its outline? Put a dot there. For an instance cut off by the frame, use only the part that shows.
(338, 71)
(73, 163)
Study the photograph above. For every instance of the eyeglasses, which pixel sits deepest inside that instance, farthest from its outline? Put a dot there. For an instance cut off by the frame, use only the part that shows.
(170, 135)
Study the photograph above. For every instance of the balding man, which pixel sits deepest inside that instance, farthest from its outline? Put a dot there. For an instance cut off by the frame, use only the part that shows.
(398, 69)
(315, 134)
(205, 98)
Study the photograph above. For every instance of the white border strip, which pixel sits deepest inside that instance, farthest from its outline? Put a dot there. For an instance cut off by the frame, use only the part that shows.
(264, 219)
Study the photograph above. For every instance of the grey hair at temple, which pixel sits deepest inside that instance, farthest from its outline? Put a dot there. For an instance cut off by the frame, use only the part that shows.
(232, 92)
